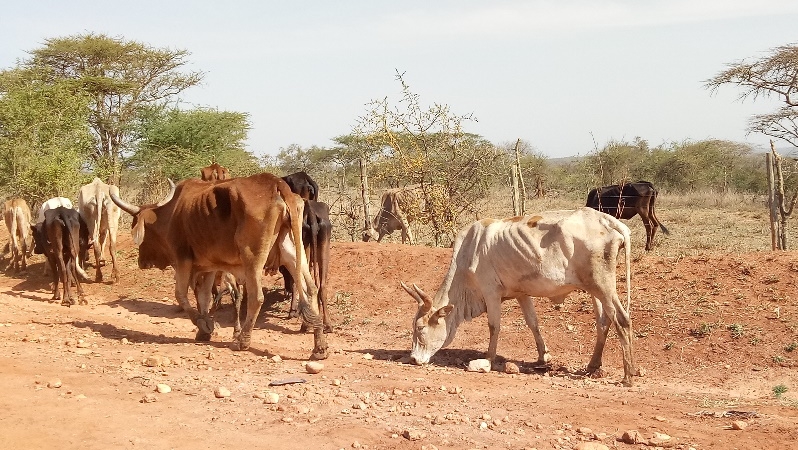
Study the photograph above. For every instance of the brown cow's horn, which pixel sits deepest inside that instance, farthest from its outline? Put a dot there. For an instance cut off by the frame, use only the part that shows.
(126, 207)
(171, 193)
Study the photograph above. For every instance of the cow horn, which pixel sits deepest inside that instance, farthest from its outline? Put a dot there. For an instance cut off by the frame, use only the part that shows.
(171, 193)
(126, 207)
(424, 297)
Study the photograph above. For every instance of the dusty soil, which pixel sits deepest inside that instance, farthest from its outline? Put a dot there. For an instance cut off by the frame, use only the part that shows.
(715, 335)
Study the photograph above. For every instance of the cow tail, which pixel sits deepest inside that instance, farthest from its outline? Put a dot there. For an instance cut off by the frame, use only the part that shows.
(14, 233)
(627, 243)
(295, 209)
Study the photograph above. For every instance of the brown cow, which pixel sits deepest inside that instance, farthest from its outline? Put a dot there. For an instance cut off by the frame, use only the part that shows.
(240, 225)
(17, 216)
(224, 282)
(214, 172)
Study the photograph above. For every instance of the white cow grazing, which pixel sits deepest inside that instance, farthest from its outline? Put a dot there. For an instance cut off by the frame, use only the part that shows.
(545, 255)
(53, 203)
(102, 217)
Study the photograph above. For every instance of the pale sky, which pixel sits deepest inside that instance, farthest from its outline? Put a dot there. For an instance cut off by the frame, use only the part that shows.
(557, 74)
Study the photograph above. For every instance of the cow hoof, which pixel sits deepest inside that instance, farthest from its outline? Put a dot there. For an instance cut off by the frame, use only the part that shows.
(202, 336)
(319, 354)
(243, 342)
(293, 314)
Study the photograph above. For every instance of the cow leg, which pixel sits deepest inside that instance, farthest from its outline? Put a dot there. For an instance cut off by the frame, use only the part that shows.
(63, 275)
(531, 318)
(236, 295)
(73, 276)
(255, 298)
(288, 284)
(98, 254)
(305, 288)
(602, 329)
(406, 232)
(205, 322)
(493, 303)
(183, 277)
(609, 310)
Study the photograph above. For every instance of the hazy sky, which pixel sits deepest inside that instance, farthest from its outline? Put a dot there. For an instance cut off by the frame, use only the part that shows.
(557, 74)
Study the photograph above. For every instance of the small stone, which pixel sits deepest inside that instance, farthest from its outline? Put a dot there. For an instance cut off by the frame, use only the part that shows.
(272, 398)
(632, 437)
(336, 382)
(276, 359)
(124, 341)
(314, 367)
(54, 383)
(660, 419)
(80, 396)
(288, 419)
(163, 388)
(483, 426)
(413, 435)
(356, 444)
(584, 430)
(397, 391)
(152, 361)
(259, 395)
(82, 344)
(82, 351)
(739, 425)
(149, 398)
(479, 365)
(661, 436)
(368, 356)
(511, 368)
(221, 392)
(359, 405)
(591, 446)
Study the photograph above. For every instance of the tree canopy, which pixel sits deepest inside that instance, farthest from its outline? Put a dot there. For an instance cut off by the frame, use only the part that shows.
(773, 75)
(121, 77)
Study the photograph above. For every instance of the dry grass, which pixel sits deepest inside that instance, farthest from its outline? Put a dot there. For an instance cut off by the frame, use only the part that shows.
(701, 222)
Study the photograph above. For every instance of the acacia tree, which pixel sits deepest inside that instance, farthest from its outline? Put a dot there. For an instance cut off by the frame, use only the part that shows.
(176, 143)
(774, 75)
(428, 146)
(44, 141)
(122, 78)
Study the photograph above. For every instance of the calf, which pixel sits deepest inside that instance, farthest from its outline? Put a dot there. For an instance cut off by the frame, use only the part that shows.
(17, 216)
(545, 255)
(63, 238)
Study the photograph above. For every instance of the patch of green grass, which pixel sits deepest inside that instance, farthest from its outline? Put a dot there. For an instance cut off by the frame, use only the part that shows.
(702, 330)
(736, 330)
(791, 346)
(779, 390)
(777, 359)
(669, 345)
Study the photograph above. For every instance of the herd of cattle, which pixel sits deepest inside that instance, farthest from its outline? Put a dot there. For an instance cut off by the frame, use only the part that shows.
(220, 233)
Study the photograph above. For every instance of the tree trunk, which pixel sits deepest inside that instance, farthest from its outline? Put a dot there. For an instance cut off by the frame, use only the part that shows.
(522, 196)
(514, 175)
(364, 195)
(772, 203)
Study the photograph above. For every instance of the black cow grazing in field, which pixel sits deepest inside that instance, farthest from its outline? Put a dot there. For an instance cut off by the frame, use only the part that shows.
(316, 236)
(63, 238)
(627, 200)
(301, 183)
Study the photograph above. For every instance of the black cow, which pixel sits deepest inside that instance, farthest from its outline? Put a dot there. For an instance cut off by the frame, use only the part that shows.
(627, 200)
(316, 235)
(63, 238)
(301, 183)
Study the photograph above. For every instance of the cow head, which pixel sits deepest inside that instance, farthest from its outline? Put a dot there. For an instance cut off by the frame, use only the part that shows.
(153, 250)
(430, 330)
(39, 238)
(214, 172)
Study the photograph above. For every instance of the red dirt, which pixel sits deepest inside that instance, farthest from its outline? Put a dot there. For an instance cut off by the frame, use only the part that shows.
(709, 342)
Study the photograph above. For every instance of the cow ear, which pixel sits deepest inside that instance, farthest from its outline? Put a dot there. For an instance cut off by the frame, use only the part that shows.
(440, 314)
(138, 233)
